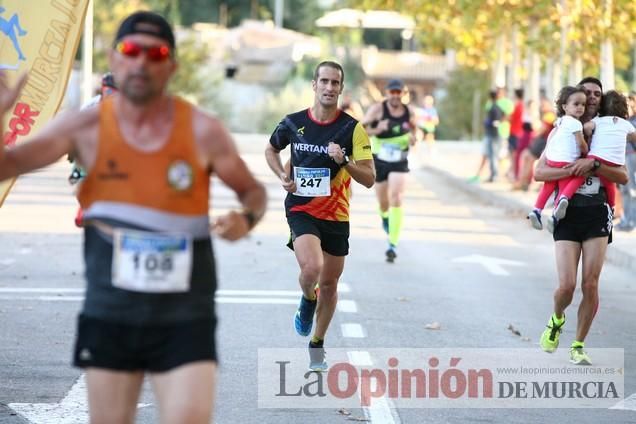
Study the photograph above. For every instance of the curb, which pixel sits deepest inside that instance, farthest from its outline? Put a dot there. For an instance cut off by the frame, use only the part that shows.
(615, 256)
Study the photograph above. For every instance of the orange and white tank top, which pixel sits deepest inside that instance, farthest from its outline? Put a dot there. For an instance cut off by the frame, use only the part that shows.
(163, 190)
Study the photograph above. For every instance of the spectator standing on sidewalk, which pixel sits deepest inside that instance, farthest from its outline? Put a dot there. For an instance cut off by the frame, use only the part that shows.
(490, 146)
(516, 132)
(530, 155)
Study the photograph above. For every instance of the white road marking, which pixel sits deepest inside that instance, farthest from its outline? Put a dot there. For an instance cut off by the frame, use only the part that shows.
(38, 290)
(257, 300)
(221, 299)
(60, 298)
(360, 358)
(352, 330)
(293, 293)
(347, 305)
(492, 264)
(73, 409)
(381, 410)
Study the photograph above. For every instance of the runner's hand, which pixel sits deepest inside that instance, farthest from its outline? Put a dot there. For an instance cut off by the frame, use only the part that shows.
(383, 125)
(582, 167)
(288, 185)
(9, 95)
(336, 152)
(231, 226)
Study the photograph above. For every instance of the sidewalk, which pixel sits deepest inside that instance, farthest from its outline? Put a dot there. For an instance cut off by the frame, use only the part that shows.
(458, 161)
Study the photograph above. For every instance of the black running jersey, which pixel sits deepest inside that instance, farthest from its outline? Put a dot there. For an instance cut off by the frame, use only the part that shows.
(323, 187)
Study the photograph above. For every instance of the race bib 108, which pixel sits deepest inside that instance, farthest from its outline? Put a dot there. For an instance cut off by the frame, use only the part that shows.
(151, 262)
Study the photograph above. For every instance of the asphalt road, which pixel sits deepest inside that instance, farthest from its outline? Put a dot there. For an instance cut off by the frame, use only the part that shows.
(436, 281)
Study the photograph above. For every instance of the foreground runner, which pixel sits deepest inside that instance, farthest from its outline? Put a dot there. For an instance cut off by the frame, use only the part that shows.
(392, 125)
(150, 270)
(582, 236)
(328, 147)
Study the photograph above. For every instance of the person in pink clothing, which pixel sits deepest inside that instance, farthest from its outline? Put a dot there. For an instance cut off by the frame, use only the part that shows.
(565, 145)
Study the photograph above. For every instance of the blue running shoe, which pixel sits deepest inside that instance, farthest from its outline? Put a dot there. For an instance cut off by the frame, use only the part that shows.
(317, 362)
(304, 318)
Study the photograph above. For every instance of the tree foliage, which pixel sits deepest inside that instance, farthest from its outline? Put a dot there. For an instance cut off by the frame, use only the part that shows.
(472, 26)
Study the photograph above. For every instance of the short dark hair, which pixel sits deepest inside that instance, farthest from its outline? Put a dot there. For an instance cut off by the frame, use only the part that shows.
(564, 95)
(593, 80)
(329, 64)
(614, 104)
(519, 93)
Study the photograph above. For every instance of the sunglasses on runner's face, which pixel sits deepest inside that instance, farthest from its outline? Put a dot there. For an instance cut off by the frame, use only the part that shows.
(395, 91)
(153, 53)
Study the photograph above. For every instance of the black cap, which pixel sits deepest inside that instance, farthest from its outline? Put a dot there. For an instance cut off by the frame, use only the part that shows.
(395, 84)
(146, 23)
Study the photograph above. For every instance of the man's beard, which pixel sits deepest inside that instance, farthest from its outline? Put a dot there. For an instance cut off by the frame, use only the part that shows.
(138, 97)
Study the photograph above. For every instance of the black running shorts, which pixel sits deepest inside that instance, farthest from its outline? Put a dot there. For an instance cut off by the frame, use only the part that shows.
(333, 235)
(383, 168)
(585, 222)
(123, 347)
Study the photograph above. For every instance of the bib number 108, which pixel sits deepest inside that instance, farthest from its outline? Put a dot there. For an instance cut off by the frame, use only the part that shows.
(153, 262)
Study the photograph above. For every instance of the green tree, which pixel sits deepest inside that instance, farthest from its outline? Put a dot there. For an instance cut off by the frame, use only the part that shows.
(456, 109)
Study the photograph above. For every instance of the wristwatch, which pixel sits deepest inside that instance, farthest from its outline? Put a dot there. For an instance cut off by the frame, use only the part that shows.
(597, 165)
(345, 161)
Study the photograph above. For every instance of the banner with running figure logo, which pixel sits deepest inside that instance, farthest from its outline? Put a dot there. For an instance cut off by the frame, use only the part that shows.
(41, 38)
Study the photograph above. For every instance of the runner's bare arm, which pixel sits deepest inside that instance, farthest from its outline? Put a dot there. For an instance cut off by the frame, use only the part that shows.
(49, 144)
(412, 125)
(227, 164)
(543, 172)
(272, 156)
(616, 174)
(371, 120)
(363, 171)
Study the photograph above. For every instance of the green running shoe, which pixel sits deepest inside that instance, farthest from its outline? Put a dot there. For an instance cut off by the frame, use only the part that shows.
(579, 357)
(550, 337)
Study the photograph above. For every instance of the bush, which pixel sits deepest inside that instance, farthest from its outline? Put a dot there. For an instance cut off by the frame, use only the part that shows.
(456, 108)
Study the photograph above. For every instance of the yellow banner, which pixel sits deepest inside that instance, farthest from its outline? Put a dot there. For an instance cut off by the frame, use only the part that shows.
(39, 37)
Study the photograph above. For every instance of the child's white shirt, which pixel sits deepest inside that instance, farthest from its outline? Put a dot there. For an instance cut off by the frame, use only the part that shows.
(562, 146)
(609, 140)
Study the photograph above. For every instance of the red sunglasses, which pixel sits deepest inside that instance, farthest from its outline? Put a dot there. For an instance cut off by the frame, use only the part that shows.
(395, 91)
(153, 53)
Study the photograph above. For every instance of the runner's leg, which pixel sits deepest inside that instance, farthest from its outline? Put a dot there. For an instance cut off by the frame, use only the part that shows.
(310, 259)
(186, 394)
(331, 272)
(113, 395)
(592, 265)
